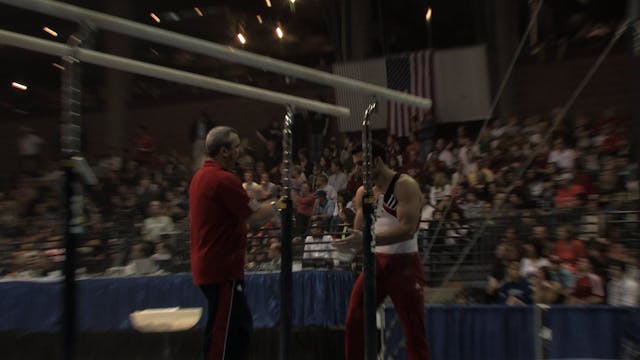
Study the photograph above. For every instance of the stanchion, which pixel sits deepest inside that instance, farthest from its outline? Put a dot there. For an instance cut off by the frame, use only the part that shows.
(286, 220)
(368, 243)
(70, 140)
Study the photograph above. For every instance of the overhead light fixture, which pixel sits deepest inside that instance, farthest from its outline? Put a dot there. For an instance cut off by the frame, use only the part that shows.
(279, 32)
(198, 11)
(268, 3)
(50, 31)
(428, 15)
(19, 86)
(292, 1)
(56, 65)
(242, 39)
(259, 18)
(173, 16)
(155, 17)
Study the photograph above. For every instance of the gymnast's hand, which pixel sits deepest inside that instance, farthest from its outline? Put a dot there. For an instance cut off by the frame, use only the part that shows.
(351, 242)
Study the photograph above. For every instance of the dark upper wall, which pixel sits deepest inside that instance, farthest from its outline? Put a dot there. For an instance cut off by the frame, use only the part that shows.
(541, 87)
(169, 124)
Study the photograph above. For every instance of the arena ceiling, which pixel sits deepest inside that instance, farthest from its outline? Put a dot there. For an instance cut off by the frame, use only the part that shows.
(312, 37)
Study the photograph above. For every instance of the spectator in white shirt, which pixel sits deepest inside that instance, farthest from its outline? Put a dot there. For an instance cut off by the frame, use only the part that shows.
(317, 245)
(157, 224)
(440, 189)
(337, 179)
(532, 262)
(426, 214)
(562, 156)
(251, 187)
(466, 155)
(29, 149)
(442, 153)
(623, 290)
(266, 190)
(323, 184)
(498, 128)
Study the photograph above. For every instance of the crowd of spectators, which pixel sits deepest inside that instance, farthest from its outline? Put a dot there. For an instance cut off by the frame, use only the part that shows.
(136, 218)
(570, 218)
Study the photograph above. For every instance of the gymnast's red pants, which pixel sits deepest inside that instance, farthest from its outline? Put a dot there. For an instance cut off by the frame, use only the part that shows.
(401, 277)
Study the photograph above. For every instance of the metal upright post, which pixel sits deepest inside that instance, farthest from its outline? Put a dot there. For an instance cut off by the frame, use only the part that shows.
(287, 254)
(633, 13)
(368, 244)
(70, 141)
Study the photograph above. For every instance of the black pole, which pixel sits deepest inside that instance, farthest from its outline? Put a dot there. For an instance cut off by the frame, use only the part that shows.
(369, 266)
(69, 294)
(633, 13)
(70, 144)
(286, 220)
(286, 283)
(368, 244)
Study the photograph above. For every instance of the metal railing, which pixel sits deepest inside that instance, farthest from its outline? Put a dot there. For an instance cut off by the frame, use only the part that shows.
(444, 251)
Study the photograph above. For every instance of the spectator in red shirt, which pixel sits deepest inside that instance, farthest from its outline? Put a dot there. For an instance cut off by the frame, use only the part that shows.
(354, 180)
(566, 195)
(568, 249)
(304, 203)
(589, 289)
(144, 145)
(219, 212)
(412, 164)
(612, 139)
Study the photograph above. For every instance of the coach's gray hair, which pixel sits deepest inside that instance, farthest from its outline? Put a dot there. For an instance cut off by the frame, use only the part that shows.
(219, 137)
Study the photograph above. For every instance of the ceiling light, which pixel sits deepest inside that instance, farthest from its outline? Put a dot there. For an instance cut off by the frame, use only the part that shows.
(428, 15)
(268, 3)
(49, 31)
(292, 1)
(279, 32)
(173, 16)
(19, 86)
(259, 18)
(198, 11)
(242, 39)
(154, 17)
(56, 65)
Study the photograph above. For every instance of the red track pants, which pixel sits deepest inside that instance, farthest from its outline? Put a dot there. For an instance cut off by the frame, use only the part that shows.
(401, 277)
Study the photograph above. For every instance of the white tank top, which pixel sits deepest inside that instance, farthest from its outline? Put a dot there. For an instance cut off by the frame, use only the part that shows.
(385, 214)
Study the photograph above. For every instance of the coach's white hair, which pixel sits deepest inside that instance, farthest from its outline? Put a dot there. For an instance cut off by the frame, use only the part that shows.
(219, 137)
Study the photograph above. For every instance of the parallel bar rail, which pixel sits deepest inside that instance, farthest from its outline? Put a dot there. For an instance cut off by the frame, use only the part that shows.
(169, 38)
(165, 73)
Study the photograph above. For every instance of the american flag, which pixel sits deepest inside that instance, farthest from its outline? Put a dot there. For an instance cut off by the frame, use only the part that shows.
(409, 73)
